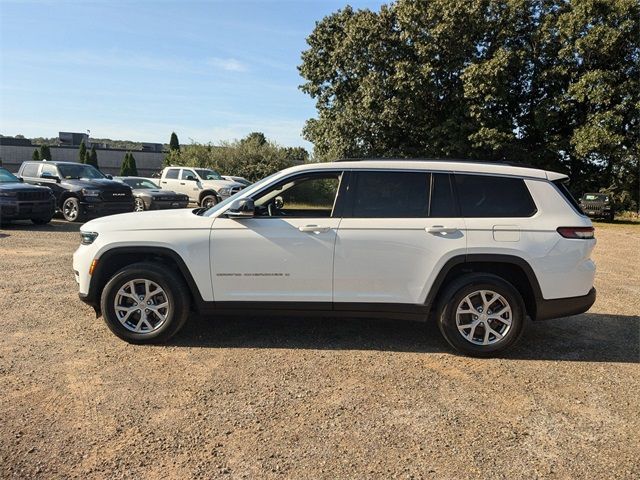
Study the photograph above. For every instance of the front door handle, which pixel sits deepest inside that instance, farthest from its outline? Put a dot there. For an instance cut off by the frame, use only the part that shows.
(314, 229)
(182, 183)
(441, 229)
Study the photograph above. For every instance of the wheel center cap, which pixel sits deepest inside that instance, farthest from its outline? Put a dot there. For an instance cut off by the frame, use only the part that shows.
(483, 317)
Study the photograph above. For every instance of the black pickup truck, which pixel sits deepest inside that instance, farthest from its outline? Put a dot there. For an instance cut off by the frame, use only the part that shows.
(24, 202)
(81, 191)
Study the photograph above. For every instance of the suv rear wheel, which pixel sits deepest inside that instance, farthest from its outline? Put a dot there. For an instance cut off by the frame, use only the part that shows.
(144, 303)
(481, 315)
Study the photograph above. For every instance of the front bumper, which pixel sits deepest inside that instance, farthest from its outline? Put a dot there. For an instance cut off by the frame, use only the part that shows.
(101, 209)
(24, 210)
(564, 307)
(166, 204)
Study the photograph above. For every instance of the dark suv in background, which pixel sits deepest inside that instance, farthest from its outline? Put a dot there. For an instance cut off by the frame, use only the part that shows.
(597, 205)
(81, 191)
(24, 202)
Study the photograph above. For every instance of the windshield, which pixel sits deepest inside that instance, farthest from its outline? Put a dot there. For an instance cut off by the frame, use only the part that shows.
(207, 174)
(140, 183)
(7, 177)
(79, 171)
(241, 193)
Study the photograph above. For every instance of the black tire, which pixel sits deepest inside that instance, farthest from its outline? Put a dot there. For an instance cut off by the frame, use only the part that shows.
(41, 220)
(139, 205)
(208, 201)
(177, 296)
(72, 211)
(454, 295)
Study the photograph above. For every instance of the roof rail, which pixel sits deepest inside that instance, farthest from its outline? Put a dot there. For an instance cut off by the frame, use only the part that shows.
(456, 160)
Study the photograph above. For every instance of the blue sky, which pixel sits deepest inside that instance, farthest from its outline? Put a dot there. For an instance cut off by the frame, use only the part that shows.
(138, 70)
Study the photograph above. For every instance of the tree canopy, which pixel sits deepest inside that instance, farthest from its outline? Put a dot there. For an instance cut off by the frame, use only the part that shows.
(82, 152)
(45, 153)
(551, 83)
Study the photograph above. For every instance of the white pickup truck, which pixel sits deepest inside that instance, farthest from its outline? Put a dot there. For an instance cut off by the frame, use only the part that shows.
(204, 186)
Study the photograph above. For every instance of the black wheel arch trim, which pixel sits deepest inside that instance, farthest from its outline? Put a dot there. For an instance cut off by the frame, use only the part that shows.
(97, 282)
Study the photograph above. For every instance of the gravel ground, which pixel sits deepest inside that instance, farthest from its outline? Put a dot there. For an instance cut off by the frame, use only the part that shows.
(310, 398)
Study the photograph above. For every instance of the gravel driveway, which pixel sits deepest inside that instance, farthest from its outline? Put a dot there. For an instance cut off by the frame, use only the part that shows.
(310, 398)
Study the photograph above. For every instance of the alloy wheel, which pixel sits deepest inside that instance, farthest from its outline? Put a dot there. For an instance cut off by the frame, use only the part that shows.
(141, 306)
(484, 317)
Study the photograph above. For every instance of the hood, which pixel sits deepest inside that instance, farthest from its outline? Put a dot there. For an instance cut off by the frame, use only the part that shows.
(179, 219)
(156, 192)
(103, 184)
(218, 184)
(20, 187)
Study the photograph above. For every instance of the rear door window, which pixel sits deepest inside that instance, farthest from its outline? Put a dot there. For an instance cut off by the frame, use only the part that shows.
(172, 173)
(493, 196)
(30, 170)
(443, 203)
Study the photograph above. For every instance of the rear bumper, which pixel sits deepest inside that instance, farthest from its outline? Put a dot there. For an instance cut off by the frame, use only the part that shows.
(564, 307)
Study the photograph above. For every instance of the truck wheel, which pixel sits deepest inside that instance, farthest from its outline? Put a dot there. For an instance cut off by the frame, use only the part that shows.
(145, 303)
(208, 201)
(481, 315)
(72, 211)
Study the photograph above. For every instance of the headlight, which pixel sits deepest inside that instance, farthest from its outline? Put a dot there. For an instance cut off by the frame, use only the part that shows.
(8, 194)
(224, 191)
(87, 238)
(89, 192)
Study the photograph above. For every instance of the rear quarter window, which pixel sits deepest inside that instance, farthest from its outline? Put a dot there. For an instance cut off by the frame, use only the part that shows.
(492, 196)
(567, 195)
(30, 170)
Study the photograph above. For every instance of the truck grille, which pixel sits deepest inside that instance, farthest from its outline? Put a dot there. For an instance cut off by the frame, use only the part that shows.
(115, 196)
(34, 195)
(592, 207)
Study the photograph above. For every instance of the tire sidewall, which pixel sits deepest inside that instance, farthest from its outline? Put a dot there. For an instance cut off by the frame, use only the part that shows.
(214, 200)
(136, 202)
(178, 308)
(77, 202)
(462, 288)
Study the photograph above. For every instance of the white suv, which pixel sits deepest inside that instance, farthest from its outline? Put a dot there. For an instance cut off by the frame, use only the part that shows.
(478, 246)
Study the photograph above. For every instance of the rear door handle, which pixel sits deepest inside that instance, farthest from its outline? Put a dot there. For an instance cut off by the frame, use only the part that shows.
(314, 229)
(182, 183)
(441, 229)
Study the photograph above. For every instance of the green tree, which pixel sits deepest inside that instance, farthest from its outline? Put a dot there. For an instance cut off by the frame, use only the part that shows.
(553, 83)
(92, 157)
(35, 155)
(132, 166)
(45, 152)
(124, 166)
(82, 152)
(174, 143)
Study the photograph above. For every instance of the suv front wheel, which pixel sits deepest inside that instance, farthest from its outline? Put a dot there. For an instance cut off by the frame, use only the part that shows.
(145, 303)
(481, 315)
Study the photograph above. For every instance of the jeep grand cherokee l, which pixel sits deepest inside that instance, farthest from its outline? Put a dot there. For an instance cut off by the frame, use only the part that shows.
(480, 247)
(81, 191)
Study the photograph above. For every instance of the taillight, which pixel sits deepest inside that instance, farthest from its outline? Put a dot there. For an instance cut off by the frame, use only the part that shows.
(584, 233)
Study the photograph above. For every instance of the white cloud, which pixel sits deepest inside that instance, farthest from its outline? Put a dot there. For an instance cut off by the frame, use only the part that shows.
(228, 64)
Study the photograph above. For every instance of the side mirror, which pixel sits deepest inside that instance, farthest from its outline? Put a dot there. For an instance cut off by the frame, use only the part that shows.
(21, 180)
(241, 208)
(110, 177)
(191, 178)
(48, 176)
